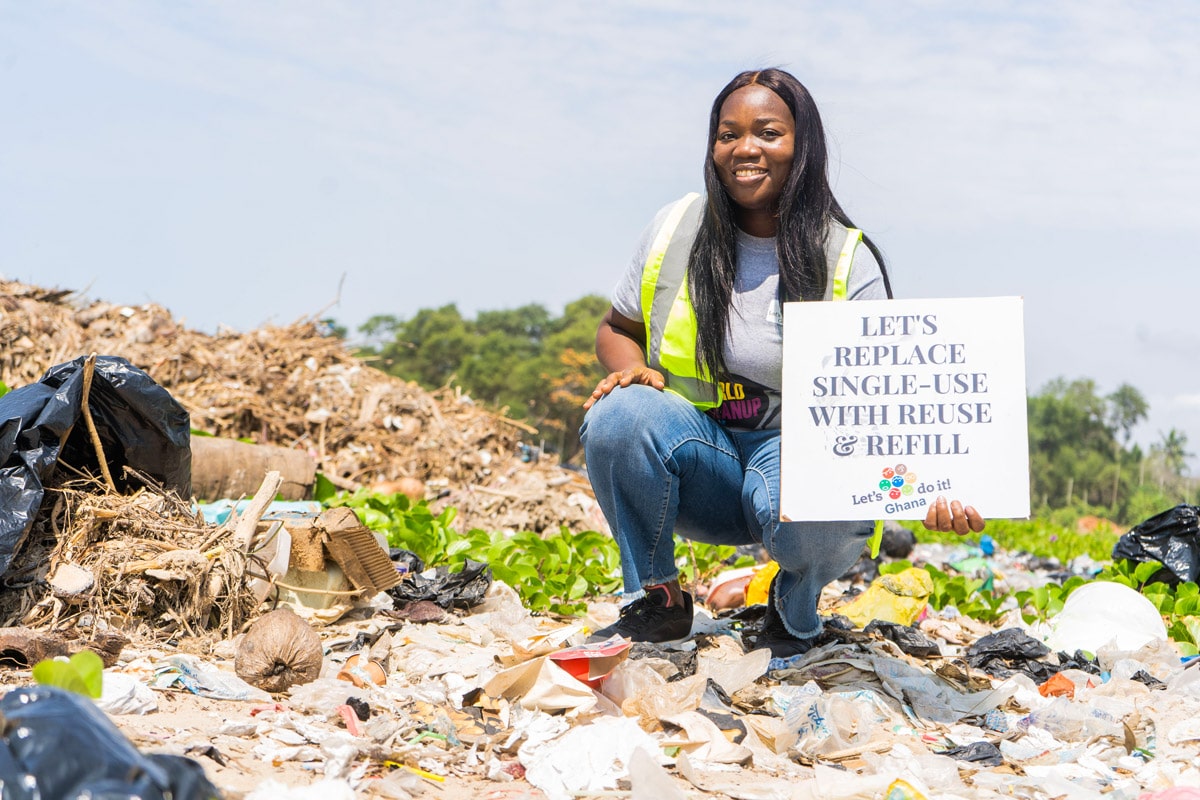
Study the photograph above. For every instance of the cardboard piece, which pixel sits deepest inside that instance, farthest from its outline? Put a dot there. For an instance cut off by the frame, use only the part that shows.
(354, 547)
(591, 663)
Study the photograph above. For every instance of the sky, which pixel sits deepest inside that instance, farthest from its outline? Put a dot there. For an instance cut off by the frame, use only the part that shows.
(246, 163)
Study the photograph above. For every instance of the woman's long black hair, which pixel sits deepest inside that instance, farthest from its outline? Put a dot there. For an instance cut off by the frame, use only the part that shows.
(806, 207)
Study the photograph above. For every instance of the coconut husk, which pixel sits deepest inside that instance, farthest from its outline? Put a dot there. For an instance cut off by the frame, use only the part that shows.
(279, 651)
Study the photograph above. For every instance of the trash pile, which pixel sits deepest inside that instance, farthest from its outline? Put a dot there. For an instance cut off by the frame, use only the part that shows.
(258, 648)
(401, 698)
(292, 387)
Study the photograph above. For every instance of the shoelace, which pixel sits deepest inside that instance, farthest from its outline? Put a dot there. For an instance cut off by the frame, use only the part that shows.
(639, 608)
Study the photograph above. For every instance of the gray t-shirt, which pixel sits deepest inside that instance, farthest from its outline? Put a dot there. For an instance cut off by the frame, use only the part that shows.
(750, 390)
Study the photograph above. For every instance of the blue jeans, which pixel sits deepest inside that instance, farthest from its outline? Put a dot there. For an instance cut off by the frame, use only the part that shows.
(660, 467)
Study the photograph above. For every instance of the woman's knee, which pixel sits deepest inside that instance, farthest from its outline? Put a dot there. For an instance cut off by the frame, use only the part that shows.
(831, 547)
(625, 414)
(759, 504)
(613, 417)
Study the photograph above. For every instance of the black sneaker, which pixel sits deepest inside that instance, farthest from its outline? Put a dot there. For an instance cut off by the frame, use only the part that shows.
(776, 637)
(650, 619)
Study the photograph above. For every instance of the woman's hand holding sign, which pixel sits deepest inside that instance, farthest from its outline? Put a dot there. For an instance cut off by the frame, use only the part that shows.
(952, 516)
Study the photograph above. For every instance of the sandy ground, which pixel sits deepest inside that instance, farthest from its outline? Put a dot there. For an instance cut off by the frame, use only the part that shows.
(186, 724)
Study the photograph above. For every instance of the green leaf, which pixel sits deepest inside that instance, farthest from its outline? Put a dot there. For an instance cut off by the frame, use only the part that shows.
(526, 572)
(323, 489)
(1187, 606)
(576, 588)
(1144, 570)
(83, 673)
(459, 546)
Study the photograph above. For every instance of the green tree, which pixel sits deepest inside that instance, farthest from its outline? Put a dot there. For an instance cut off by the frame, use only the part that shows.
(430, 347)
(379, 330)
(1174, 452)
(570, 371)
(1070, 444)
(502, 370)
(1126, 408)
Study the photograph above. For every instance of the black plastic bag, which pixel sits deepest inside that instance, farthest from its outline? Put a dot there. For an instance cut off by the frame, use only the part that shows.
(139, 424)
(908, 639)
(447, 589)
(55, 743)
(1171, 538)
(406, 561)
(1011, 650)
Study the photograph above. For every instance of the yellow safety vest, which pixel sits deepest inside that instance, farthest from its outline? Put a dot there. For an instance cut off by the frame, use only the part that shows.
(667, 308)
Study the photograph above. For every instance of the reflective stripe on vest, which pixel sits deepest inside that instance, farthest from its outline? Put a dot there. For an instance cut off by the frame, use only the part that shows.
(667, 310)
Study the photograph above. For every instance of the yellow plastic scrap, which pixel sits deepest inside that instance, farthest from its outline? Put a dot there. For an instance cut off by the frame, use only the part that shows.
(898, 598)
(901, 789)
(760, 584)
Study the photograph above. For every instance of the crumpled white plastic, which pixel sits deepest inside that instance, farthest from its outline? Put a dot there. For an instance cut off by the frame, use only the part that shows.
(125, 694)
(589, 758)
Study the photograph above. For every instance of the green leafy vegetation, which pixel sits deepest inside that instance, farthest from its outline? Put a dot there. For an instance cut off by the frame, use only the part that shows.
(551, 572)
(1038, 537)
(700, 562)
(976, 597)
(83, 673)
(973, 597)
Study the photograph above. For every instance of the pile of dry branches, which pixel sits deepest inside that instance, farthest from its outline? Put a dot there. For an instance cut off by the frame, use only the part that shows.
(144, 562)
(96, 559)
(295, 387)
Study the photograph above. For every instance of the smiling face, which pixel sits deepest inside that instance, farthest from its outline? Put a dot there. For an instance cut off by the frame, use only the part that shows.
(752, 153)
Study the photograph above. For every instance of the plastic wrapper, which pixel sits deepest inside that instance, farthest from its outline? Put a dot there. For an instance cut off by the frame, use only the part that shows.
(1171, 538)
(899, 598)
(188, 672)
(760, 584)
(139, 424)
(984, 754)
(57, 744)
(406, 561)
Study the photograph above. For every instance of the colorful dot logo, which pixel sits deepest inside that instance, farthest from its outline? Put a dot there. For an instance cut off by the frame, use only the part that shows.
(897, 482)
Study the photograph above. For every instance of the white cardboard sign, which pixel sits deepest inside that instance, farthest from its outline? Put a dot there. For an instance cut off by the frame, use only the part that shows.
(889, 404)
